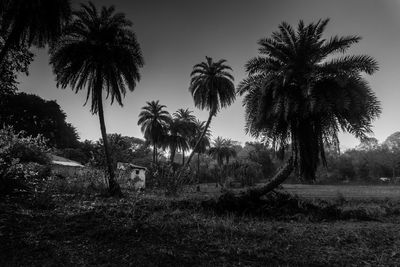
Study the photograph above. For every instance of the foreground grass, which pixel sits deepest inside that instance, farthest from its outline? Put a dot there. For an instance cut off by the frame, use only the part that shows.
(149, 230)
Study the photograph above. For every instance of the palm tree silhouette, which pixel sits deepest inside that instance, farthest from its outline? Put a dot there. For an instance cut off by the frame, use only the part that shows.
(188, 122)
(212, 88)
(154, 121)
(222, 149)
(99, 51)
(33, 22)
(298, 95)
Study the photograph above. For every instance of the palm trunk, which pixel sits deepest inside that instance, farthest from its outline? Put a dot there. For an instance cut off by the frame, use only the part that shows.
(113, 186)
(154, 153)
(198, 167)
(183, 157)
(198, 141)
(172, 156)
(278, 179)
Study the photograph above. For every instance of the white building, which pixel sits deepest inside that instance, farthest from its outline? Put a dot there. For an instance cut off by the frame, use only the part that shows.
(65, 167)
(132, 175)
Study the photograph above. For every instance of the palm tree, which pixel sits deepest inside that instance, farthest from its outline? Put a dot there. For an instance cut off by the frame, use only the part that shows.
(188, 122)
(204, 141)
(298, 95)
(99, 51)
(212, 88)
(33, 22)
(229, 149)
(222, 149)
(217, 151)
(154, 121)
(176, 137)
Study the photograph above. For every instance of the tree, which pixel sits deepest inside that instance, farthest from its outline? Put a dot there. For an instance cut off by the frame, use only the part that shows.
(33, 22)
(188, 122)
(297, 96)
(222, 149)
(154, 121)
(17, 61)
(212, 88)
(34, 116)
(99, 51)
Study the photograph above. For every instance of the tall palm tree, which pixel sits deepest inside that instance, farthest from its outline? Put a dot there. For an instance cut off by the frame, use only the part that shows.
(212, 88)
(98, 51)
(33, 22)
(154, 121)
(188, 121)
(204, 141)
(298, 95)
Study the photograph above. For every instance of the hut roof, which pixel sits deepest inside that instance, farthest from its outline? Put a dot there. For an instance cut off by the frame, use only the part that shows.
(57, 160)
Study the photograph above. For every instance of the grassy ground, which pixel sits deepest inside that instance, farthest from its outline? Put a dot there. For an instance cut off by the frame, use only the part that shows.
(331, 191)
(151, 230)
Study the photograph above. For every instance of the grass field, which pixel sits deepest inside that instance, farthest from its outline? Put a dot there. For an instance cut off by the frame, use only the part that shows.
(153, 230)
(359, 192)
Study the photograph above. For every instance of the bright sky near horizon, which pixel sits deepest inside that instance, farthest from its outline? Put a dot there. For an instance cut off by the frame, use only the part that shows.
(176, 34)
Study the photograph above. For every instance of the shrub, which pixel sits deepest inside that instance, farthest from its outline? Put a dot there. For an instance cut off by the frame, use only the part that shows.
(23, 162)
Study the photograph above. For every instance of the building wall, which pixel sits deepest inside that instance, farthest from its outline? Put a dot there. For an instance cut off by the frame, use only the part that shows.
(138, 178)
(66, 171)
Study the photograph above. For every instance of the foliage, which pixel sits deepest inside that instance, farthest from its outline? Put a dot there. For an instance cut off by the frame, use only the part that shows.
(222, 149)
(165, 176)
(34, 115)
(16, 62)
(297, 93)
(23, 162)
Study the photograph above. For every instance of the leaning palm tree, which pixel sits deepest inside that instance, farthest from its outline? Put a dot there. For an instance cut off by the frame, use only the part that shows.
(188, 121)
(154, 121)
(98, 51)
(33, 22)
(298, 96)
(212, 88)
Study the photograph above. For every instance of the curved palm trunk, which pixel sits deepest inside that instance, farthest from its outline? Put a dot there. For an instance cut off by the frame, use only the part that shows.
(113, 186)
(198, 141)
(278, 179)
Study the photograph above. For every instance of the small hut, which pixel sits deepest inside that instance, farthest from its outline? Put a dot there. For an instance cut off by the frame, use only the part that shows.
(132, 175)
(65, 167)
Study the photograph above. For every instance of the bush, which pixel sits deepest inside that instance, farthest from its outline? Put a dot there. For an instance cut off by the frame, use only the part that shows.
(24, 163)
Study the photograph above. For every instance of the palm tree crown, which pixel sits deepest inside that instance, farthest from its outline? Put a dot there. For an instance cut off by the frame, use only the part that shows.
(98, 50)
(298, 94)
(222, 149)
(212, 85)
(33, 22)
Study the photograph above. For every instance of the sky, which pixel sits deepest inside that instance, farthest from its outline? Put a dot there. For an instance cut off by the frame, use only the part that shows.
(177, 34)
